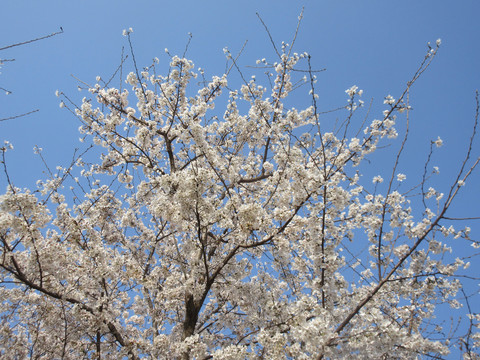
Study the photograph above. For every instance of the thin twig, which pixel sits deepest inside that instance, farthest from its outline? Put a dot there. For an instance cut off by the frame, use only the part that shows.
(18, 116)
(269, 35)
(33, 40)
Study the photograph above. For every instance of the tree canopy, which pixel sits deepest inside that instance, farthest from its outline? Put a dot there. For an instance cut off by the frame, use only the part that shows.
(207, 221)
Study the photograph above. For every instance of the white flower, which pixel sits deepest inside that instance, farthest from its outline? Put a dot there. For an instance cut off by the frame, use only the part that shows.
(389, 100)
(366, 273)
(461, 183)
(268, 166)
(352, 91)
(401, 177)
(7, 145)
(438, 142)
(131, 79)
(377, 179)
(431, 192)
(439, 41)
(401, 250)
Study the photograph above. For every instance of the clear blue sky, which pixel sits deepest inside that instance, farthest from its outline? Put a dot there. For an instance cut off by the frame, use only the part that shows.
(375, 44)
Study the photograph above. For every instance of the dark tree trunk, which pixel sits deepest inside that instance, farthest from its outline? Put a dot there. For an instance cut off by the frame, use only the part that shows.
(192, 309)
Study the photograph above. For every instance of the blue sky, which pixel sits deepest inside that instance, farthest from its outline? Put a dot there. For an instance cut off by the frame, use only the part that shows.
(375, 44)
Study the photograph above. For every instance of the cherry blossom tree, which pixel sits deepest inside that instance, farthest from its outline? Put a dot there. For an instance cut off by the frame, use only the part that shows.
(204, 222)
